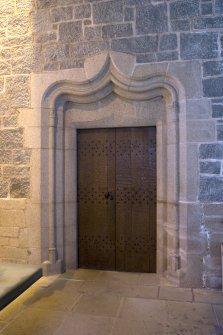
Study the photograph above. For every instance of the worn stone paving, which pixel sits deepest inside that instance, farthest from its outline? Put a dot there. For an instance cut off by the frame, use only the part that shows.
(88, 302)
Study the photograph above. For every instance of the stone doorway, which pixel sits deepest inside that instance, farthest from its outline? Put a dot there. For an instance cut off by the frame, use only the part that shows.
(112, 99)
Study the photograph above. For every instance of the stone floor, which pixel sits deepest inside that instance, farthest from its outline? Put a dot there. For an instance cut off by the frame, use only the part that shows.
(88, 302)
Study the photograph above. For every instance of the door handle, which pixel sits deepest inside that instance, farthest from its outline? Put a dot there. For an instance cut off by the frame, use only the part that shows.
(108, 195)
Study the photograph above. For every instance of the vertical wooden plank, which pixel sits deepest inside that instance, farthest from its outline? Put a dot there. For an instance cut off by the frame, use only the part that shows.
(123, 200)
(96, 213)
(136, 199)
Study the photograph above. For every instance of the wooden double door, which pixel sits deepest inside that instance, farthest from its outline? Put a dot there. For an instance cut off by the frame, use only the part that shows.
(117, 199)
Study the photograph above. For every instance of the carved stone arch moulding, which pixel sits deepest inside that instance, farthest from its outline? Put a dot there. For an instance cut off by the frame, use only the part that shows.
(58, 142)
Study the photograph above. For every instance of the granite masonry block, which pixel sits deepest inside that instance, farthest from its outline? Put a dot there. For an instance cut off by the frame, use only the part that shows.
(18, 90)
(212, 68)
(168, 55)
(217, 101)
(4, 188)
(108, 12)
(136, 2)
(44, 4)
(71, 64)
(168, 42)
(211, 189)
(18, 24)
(82, 12)
(184, 9)
(88, 48)
(208, 23)
(117, 30)
(146, 58)
(62, 14)
(45, 37)
(211, 151)
(92, 33)
(19, 187)
(5, 68)
(21, 156)
(15, 171)
(7, 7)
(4, 106)
(210, 167)
(217, 111)
(206, 9)
(180, 25)
(11, 138)
(5, 156)
(151, 19)
(129, 14)
(198, 45)
(218, 7)
(51, 66)
(70, 31)
(220, 132)
(213, 87)
(2, 83)
(136, 45)
(56, 52)
(10, 122)
(87, 22)
(41, 21)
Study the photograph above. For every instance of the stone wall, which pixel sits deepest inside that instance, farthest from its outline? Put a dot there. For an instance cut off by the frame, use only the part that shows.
(51, 35)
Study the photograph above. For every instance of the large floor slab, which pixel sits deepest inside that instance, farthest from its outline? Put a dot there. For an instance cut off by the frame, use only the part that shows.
(86, 302)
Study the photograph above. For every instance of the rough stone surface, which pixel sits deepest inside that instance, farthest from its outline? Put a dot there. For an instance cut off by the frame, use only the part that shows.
(136, 44)
(117, 30)
(198, 45)
(208, 23)
(92, 33)
(213, 68)
(217, 111)
(70, 31)
(211, 189)
(4, 188)
(180, 25)
(213, 87)
(12, 138)
(220, 133)
(88, 49)
(210, 167)
(62, 14)
(168, 42)
(21, 156)
(55, 52)
(209, 151)
(82, 11)
(206, 9)
(129, 14)
(19, 188)
(107, 12)
(18, 90)
(151, 19)
(218, 7)
(184, 9)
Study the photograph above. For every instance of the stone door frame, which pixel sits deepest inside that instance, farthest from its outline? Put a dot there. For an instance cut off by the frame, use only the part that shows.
(58, 135)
